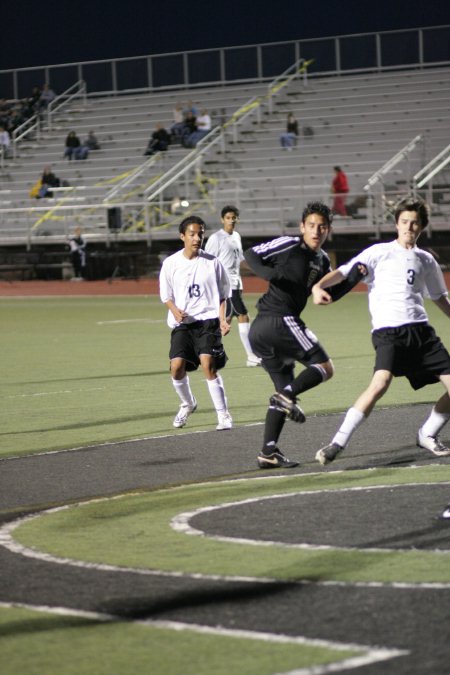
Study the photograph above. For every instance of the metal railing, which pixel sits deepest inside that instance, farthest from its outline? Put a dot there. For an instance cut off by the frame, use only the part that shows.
(28, 128)
(433, 167)
(362, 52)
(75, 91)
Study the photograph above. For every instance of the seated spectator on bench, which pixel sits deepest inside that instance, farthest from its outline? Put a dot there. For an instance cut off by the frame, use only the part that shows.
(42, 188)
(74, 149)
(48, 180)
(176, 130)
(190, 125)
(46, 97)
(289, 138)
(91, 141)
(203, 124)
(159, 142)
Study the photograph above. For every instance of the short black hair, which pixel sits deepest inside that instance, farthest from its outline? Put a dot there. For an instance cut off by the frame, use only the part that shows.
(190, 220)
(412, 203)
(321, 209)
(229, 209)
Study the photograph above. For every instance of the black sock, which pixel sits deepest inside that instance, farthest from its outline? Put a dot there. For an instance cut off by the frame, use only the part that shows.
(308, 378)
(275, 420)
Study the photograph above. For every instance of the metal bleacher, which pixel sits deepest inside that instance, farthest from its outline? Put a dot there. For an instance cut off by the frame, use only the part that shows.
(356, 121)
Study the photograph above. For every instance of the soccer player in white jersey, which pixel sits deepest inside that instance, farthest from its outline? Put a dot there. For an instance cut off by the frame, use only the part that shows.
(194, 286)
(226, 245)
(399, 275)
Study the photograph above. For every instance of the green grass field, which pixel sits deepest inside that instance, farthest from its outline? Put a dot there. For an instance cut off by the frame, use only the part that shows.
(81, 371)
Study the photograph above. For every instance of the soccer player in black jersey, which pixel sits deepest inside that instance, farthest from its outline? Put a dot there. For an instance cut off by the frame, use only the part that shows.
(292, 265)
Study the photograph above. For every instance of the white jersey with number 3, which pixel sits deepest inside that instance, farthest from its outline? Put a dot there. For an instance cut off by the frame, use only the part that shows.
(398, 279)
(196, 286)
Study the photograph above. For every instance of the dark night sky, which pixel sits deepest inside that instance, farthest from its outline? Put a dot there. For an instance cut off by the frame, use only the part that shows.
(63, 31)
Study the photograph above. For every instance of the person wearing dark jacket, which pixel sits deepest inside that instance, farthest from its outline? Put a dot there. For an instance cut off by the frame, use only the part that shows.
(48, 181)
(159, 142)
(278, 335)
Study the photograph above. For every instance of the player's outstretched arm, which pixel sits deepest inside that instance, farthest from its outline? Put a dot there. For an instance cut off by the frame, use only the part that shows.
(319, 293)
(356, 274)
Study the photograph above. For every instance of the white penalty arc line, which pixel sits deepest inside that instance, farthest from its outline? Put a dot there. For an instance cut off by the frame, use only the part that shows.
(181, 522)
(371, 654)
(9, 543)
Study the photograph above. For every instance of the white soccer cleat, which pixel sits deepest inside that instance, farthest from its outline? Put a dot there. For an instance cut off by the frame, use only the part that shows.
(225, 421)
(432, 444)
(183, 413)
(253, 361)
(446, 513)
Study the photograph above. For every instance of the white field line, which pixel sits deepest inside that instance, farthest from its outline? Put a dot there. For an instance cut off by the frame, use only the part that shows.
(8, 542)
(371, 654)
(119, 321)
(56, 393)
(180, 523)
(113, 443)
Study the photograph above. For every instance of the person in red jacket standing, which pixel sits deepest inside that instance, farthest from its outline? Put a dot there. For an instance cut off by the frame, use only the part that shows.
(339, 187)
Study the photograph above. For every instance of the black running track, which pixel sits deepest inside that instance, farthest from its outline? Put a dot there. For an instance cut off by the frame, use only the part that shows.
(417, 620)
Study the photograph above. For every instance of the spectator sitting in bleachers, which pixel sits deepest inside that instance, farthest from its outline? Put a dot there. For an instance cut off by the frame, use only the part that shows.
(74, 149)
(190, 125)
(159, 141)
(203, 123)
(91, 141)
(190, 108)
(42, 188)
(46, 97)
(289, 138)
(176, 129)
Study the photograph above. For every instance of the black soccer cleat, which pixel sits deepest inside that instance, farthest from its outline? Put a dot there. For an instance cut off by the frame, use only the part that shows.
(276, 460)
(326, 454)
(289, 407)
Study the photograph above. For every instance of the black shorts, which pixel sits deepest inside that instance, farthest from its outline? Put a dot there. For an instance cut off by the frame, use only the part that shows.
(413, 351)
(235, 304)
(190, 340)
(281, 341)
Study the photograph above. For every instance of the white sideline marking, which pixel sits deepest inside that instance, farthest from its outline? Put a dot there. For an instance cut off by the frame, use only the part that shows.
(53, 393)
(372, 654)
(180, 523)
(106, 323)
(127, 440)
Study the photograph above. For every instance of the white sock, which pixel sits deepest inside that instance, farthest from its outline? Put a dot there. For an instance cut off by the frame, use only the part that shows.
(351, 422)
(434, 423)
(244, 329)
(183, 390)
(217, 393)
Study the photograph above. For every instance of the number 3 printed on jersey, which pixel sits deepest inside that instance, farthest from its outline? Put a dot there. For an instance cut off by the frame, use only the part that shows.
(411, 275)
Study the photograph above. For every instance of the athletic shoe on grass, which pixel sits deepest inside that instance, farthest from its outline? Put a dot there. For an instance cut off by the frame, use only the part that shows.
(183, 413)
(225, 421)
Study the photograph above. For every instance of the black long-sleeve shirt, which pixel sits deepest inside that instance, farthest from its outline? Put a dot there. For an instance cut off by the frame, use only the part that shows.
(292, 269)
